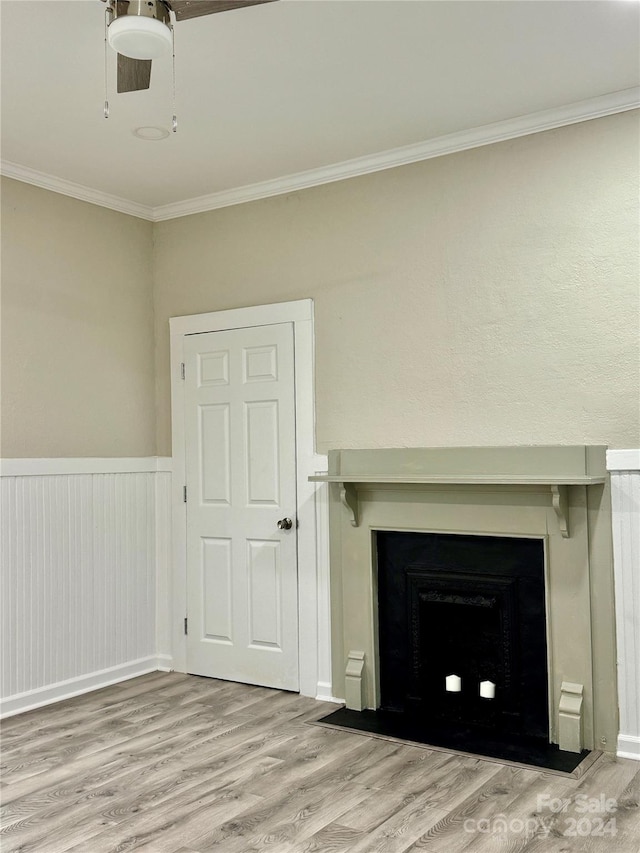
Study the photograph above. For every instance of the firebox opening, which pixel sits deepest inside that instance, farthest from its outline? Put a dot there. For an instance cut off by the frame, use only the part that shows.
(462, 633)
(463, 647)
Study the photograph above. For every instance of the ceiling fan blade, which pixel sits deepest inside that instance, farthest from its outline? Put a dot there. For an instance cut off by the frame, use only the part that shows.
(133, 74)
(185, 9)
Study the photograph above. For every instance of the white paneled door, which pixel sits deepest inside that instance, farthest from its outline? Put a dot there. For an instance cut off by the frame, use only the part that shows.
(242, 580)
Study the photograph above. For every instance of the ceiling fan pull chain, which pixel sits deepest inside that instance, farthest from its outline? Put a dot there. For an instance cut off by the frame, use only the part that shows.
(174, 120)
(106, 63)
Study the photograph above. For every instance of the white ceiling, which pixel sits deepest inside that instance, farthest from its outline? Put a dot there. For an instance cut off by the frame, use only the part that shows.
(296, 85)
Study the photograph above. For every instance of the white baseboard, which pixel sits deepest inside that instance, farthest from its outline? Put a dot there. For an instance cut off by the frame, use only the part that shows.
(165, 663)
(21, 702)
(324, 693)
(629, 747)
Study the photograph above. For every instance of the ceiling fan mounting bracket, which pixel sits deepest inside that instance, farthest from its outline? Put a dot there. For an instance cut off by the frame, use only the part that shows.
(157, 9)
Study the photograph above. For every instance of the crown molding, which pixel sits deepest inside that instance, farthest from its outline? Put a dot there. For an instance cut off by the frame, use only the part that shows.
(78, 191)
(604, 105)
(500, 131)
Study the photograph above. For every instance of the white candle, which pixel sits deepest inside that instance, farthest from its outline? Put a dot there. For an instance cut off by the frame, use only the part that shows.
(453, 683)
(487, 690)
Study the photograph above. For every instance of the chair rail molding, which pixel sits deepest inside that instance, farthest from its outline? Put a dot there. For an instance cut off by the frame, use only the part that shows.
(39, 467)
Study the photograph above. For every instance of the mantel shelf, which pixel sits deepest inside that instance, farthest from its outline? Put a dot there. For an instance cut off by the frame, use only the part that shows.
(552, 467)
(557, 484)
(461, 480)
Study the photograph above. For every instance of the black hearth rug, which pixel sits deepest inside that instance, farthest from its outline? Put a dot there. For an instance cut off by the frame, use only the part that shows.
(534, 752)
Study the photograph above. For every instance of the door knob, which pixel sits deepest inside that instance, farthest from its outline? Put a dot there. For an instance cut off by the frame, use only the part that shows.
(285, 524)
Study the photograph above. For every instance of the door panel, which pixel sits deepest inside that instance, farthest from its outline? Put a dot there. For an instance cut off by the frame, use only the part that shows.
(263, 560)
(215, 450)
(217, 589)
(263, 486)
(242, 588)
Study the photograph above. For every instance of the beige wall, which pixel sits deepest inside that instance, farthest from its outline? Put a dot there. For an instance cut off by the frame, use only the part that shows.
(77, 328)
(488, 297)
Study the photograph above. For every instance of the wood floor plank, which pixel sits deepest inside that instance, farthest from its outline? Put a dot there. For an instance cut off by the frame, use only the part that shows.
(273, 823)
(333, 838)
(458, 827)
(228, 767)
(280, 788)
(385, 801)
(280, 706)
(626, 815)
(616, 780)
(160, 823)
(95, 754)
(171, 763)
(144, 756)
(520, 816)
(79, 707)
(430, 807)
(96, 739)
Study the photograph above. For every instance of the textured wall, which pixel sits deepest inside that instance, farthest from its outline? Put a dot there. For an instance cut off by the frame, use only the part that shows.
(77, 328)
(487, 297)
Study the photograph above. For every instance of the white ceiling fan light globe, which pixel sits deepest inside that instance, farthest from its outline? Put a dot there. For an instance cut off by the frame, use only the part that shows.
(138, 37)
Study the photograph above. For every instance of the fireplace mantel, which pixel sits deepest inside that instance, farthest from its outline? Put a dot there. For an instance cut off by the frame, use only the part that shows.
(531, 492)
(554, 466)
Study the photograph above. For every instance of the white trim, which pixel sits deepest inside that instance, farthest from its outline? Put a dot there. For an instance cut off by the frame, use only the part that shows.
(78, 191)
(625, 495)
(83, 465)
(629, 747)
(604, 105)
(323, 585)
(623, 460)
(22, 702)
(165, 663)
(296, 311)
(325, 695)
(300, 314)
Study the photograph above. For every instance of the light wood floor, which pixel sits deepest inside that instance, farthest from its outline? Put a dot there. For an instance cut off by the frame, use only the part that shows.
(170, 763)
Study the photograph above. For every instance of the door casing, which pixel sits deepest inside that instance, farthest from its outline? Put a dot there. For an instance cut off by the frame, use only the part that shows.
(313, 576)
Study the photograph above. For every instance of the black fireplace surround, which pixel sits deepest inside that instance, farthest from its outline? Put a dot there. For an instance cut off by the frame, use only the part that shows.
(470, 606)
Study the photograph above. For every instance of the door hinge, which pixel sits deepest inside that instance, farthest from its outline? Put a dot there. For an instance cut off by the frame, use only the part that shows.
(184, 494)
(182, 370)
(185, 625)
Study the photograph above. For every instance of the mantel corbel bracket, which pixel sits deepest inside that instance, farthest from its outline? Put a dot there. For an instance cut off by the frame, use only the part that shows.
(349, 498)
(560, 501)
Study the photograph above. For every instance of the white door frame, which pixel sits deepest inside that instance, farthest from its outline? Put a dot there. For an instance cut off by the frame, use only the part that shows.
(313, 575)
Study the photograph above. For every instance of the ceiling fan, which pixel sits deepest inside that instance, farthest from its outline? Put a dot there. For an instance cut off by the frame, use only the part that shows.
(142, 30)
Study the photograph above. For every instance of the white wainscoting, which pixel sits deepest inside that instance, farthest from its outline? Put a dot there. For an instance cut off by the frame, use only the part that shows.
(85, 561)
(163, 567)
(86, 579)
(624, 466)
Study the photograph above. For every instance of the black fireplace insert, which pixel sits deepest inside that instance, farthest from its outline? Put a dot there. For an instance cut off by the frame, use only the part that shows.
(463, 648)
(462, 631)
